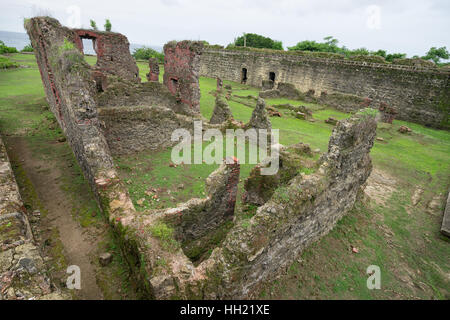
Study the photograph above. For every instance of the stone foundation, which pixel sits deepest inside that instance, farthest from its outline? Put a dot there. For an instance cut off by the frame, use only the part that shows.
(23, 274)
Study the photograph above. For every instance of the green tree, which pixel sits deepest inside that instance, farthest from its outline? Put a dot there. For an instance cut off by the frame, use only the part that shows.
(94, 25)
(436, 54)
(330, 45)
(331, 41)
(5, 49)
(107, 25)
(27, 48)
(144, 53)
(257, 41)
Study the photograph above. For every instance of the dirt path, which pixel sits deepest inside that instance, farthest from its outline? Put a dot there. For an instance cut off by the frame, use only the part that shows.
(79, 244)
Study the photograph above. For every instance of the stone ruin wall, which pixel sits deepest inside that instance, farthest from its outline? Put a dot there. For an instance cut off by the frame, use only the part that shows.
(23, 274)
(137, 128)
(181, 72)
(419, 95)
(296, 215)
(113, 53)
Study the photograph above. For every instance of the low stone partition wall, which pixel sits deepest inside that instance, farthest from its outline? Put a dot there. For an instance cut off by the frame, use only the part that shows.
(137, 128)
(297, 214)
(23, 274)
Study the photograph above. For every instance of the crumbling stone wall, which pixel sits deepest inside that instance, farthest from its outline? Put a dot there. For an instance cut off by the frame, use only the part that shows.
(181, 72)
(130, 129)
(198, 217)
(419, 94)
(221, 112)
(297, 213)
(23, 274)
(153, 74)
(295, 216)
(260, 118)
(113, 53)
(70, 92)
(291, 160)
(151, 93)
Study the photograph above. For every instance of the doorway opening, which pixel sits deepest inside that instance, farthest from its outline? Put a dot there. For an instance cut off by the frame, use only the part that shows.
(272, 76)
(244, 75)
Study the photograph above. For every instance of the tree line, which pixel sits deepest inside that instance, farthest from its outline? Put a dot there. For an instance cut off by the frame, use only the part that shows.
(330, 44)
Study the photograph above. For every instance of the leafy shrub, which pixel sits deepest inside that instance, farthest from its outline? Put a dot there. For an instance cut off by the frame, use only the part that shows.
(27, 48)
(145, 53)
(108, 25)
(436, 54)
(5, 49)
(93, 25)
(6, 63)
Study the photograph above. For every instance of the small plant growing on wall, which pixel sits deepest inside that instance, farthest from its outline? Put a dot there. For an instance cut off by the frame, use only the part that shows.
(107, 25)
(94, 25)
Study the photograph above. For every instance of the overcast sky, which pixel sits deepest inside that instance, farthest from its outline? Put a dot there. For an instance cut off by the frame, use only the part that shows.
(410, 26)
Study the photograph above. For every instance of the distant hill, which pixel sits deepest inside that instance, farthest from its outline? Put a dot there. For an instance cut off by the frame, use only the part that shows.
(20, 40)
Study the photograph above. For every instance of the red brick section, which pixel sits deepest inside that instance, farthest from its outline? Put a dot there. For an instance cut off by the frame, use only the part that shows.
(388, 113)
(181, 72)
(113, 53)
(153, 75)
(219, 84)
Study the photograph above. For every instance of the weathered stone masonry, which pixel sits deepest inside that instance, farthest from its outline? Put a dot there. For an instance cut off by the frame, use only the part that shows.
(420, 95)
(297, 213)
(181, 72)
(113, 53)
(23, 274)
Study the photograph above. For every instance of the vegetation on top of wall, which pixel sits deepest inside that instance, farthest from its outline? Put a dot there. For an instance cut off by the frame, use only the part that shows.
(375, 59)
(108, 25)
(257, 41)
(145, 53)
(67, 45)
(93, 25)
(367, 113)
(213, 46)
(331, 55)
(416, 62)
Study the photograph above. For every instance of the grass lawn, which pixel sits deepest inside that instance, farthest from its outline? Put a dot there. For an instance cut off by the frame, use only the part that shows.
(387, 229)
